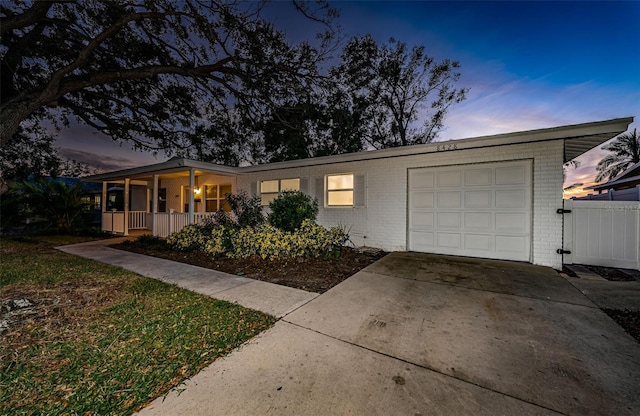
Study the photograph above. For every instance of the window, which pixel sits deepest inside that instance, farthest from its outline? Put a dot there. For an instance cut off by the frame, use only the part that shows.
(214, 197)
(91, 202)
(269, 190)
(162, 200)
(115, 199)
(340, 190)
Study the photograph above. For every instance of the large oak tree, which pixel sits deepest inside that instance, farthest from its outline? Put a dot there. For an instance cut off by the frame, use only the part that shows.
(166, 75)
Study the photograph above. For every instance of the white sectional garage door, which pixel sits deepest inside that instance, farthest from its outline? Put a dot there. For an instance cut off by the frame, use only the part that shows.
(479, 210)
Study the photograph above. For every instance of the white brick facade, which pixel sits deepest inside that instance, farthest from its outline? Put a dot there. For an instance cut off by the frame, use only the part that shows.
(383, 221)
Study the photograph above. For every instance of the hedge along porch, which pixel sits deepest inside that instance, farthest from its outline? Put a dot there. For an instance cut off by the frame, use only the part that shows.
(491, 197)
(163, 197)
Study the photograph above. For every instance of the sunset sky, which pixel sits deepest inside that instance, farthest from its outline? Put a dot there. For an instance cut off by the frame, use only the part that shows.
(528, 65)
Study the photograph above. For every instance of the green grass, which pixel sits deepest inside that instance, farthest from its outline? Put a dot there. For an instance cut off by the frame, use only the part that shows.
(99, 339)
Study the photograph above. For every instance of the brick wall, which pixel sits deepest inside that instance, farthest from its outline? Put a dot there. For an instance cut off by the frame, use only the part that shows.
(383, 221)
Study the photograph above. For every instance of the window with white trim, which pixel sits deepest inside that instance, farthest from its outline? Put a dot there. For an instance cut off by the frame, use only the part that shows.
(214, 197)
(269, 190)
(340, 190)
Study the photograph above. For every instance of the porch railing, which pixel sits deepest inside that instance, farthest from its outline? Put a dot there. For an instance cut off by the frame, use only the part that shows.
(198, 217)
(113, 222)
(166, 222)
(137, 220)
(170, 222)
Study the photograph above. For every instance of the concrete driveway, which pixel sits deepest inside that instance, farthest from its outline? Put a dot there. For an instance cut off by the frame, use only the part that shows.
(419, 334)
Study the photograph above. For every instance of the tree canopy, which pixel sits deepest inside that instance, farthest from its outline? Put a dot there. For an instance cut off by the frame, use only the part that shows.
(212, 80)
(158, 73)
(378, 96)
(389, 87)
(625, 152)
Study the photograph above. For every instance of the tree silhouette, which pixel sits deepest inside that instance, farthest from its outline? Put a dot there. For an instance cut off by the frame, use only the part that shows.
(49, 204)
(392, 87)
(156, 73)
(626, 152)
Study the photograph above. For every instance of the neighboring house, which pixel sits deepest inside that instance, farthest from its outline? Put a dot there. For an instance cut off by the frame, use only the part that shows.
(491, 197)
(624, 187)
(91, 196)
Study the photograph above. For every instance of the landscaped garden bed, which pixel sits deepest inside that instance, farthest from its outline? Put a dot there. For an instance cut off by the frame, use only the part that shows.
(287, 247)
(313, 274)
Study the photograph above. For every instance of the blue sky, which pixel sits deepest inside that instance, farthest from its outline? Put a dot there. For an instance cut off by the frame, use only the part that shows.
(528, 64)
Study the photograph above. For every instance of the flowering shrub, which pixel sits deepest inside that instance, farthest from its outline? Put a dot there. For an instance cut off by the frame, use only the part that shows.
(220, 240)
(266, 241)
(189, 238)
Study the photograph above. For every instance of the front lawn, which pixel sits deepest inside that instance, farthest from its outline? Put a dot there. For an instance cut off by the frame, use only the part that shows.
(82, 337)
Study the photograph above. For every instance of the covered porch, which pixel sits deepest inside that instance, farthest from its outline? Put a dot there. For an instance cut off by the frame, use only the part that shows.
(164, 197)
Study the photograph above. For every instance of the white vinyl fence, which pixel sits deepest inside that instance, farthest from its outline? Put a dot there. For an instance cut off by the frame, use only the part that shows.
(631, 194)
(602, 233)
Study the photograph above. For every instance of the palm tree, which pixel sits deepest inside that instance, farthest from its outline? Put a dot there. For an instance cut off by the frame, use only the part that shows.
(626, 152)
(48, 204)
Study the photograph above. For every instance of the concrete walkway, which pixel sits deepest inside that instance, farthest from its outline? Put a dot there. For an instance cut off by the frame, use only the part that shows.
(266, 297)
(417, 334)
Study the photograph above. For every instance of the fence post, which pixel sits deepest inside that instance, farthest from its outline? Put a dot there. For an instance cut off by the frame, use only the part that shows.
(171, 220)
(113, 213)
(567, 231)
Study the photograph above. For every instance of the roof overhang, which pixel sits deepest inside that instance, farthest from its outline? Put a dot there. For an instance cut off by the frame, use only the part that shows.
(632, 180)
(596, 134)
(578, 138)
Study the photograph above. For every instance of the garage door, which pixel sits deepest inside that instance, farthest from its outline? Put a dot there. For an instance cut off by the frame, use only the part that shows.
(479, 210)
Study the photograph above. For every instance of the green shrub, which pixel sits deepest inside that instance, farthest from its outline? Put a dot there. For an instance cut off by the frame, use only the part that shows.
(291, 208)
(266, 241)
(149, 241)
(246, 211)
(48, 205)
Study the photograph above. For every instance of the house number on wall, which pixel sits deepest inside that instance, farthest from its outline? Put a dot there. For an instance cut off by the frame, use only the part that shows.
(443, 147)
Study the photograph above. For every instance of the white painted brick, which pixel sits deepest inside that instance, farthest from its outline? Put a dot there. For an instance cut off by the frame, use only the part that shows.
(383, 220)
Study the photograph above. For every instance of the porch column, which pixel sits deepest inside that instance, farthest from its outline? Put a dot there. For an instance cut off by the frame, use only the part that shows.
(192, 184)
(154, 205)
(103, 202)
(126, 206)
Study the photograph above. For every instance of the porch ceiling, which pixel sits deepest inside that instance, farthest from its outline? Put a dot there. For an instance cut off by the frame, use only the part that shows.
(169, 175)
(173, 168)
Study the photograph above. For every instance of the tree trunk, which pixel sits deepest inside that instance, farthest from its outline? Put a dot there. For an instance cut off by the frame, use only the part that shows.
(12, 115)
